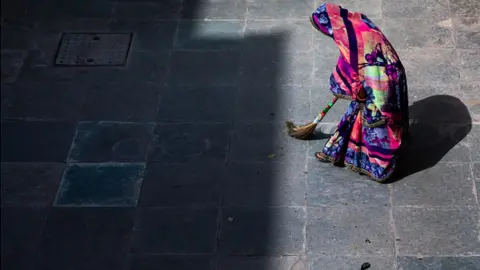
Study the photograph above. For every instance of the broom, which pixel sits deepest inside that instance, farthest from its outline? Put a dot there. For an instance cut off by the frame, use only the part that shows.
(303, 132)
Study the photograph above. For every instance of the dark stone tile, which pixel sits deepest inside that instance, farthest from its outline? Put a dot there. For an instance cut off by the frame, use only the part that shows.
(150, 36)
(17, 33)
(429, 66)
(266, 142)
(80, 9)
(214, 9)
(328, 185)
(210, 35)
(24, 8)
(265, 184)
(122, 102)
(440, 263)
(197, 104)
(190, 184)
(465, 8)
(342, 262)
(344, 230)
(185, 230)
(36, 141)
(6, 91)
(469, 62)
(205, 68)
(431, 232)
(435, 9)
(275, 68)
(21, 232)
(190, 142)
(30, 184)
(263, 263)
(266, 103)
(262, 231)
(467, 35)
(12, 62)
(100, 185)
(140, 68)
(446, 184)
(154, 262)
(418, 33)
(86, 238)
(111, 141)
(275, 9)
(295, 34)
(148, 10)
(48, 101)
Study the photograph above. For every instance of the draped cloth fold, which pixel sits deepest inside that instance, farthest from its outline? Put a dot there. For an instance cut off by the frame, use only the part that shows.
(372, 132)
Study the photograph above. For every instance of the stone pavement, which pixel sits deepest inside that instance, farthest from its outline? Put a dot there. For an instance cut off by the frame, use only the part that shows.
(179, 160)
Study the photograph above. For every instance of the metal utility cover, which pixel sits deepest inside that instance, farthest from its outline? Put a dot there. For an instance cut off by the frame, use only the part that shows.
(93, 49)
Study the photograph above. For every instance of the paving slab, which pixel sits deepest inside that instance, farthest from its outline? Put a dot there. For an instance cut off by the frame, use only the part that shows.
(30, 184)
(89, 238)
(175, 231)
(432, 232)
(100, 185)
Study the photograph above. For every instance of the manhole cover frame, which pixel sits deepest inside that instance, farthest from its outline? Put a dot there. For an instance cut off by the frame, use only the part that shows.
(121, 64)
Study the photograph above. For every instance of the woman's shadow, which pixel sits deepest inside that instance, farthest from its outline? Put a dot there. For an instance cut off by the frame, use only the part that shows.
(437, 124)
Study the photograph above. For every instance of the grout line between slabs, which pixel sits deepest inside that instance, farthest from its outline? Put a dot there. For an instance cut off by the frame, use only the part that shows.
(393, 227)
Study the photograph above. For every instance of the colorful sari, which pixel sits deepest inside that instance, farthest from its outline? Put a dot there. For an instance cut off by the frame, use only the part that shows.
(370, 135)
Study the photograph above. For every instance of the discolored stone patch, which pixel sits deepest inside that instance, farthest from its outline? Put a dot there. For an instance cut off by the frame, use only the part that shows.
(100, 185)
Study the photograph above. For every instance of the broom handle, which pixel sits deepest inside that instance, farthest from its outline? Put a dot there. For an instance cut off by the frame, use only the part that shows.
(324, 112)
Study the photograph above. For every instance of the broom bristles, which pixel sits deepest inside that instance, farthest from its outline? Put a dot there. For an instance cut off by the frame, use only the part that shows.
(300, 132)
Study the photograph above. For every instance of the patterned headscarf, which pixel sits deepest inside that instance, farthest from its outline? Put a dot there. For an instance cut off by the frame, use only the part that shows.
(367, 63)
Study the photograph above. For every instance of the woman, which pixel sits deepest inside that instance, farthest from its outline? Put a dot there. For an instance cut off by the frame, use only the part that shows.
(370, 74)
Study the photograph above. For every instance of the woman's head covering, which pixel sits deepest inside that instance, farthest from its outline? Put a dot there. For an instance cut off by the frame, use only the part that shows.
(367, 63)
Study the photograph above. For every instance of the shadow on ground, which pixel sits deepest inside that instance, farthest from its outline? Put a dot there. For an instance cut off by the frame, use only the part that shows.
(437, 125)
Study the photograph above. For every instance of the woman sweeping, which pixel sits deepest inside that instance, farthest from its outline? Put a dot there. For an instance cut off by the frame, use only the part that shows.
(370, 74)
